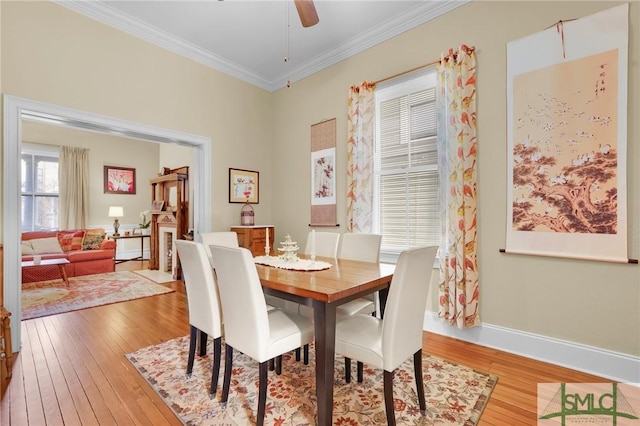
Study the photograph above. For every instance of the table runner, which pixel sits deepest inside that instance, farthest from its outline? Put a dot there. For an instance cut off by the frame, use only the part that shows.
(297, 265)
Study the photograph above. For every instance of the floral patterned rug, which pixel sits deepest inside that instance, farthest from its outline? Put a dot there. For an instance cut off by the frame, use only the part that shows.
(455, 394)
(43, 298)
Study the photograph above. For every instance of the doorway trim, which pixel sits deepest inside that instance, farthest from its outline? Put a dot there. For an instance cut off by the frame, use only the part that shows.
(17, 109)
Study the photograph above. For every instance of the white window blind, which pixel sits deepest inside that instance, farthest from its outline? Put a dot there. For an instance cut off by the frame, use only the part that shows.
(406, 206)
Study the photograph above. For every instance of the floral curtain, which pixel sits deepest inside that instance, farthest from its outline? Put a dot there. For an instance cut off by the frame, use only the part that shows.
(457, 151)
(73, 177)
(360, 133)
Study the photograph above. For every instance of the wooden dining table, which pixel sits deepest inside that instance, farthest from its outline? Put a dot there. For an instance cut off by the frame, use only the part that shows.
(324, 290)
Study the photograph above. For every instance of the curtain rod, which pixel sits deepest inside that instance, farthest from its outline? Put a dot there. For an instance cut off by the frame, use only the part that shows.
(406, 72)
(437, 61)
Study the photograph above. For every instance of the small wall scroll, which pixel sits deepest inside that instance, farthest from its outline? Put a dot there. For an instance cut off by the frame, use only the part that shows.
(323, 177)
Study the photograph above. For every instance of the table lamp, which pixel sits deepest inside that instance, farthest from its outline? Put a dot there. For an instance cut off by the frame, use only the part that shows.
(116, 212)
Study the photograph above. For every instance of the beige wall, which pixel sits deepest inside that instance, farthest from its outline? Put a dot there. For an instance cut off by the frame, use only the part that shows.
(592, 303)
(105, 150)
(54, 55)
(61, 57)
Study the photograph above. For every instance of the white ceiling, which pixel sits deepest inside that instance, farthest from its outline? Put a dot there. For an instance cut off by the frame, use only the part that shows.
(248, 38)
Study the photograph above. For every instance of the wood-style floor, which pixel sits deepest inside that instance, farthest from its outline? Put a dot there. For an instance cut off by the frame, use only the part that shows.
(72, 370)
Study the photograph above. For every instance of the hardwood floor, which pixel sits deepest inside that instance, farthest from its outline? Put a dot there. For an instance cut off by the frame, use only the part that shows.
(71, 369)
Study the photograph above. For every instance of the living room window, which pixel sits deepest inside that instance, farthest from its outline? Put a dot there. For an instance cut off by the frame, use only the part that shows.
(406, 195)
(39, 183)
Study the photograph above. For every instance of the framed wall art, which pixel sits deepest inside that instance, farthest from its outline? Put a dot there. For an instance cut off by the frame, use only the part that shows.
(157, 205)
(119, 180)
(244, 186)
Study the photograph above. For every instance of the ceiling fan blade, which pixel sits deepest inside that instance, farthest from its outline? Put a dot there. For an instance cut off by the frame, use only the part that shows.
(307, 12)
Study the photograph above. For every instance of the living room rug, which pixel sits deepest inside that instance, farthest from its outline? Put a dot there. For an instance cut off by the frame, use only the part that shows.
(455, 394)
(155, 275)
(45, 298)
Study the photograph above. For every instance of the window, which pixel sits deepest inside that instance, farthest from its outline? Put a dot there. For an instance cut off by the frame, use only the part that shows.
(39, 178)
(406, 197)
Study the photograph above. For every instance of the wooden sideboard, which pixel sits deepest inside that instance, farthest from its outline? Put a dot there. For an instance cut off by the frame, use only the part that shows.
(6, 351)
(254, 237)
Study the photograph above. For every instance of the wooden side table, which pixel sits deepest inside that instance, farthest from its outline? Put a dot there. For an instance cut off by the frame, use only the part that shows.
(127, 237)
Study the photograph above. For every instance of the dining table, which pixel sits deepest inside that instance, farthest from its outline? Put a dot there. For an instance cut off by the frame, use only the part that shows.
(324, 290)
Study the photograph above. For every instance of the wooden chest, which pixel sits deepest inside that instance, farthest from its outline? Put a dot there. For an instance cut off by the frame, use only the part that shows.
(254, 238)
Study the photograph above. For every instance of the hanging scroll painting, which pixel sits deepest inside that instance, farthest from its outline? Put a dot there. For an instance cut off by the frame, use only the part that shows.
(567, 136)
(323, 179)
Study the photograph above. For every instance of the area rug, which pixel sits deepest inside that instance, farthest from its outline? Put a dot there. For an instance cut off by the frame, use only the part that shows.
(455, 394)
(156, 276)
(44, 298)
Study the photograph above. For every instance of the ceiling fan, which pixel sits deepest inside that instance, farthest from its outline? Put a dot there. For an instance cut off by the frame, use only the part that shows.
(307, 12)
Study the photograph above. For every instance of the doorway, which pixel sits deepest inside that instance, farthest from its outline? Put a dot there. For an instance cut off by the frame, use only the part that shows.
(18, 109)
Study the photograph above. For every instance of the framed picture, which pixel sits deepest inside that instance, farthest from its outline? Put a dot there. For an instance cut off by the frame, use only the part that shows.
(157, 205)
(119, 180)
(244, 186)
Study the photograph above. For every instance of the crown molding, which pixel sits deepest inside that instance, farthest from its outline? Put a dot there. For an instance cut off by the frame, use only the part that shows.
(112, 17)
(106, 14)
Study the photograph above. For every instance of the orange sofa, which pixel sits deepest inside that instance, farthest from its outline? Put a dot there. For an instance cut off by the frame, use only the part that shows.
(88, 252)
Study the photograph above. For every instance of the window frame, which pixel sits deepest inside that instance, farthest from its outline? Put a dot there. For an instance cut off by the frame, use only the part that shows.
(37, 150)
(402, 86)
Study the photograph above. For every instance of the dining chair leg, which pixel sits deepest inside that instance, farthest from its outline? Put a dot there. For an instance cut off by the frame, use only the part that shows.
(417, 367)
(202, 351)
(279, 365)
(228, 366)
(306, 354)
(360, 367)
(217, 349)
(347, 370)
(272, 364)
(297, 354)
(262, 393)
(193, 336)
(388, 397)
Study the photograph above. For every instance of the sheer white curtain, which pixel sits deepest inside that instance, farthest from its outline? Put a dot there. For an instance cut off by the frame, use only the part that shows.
(73, 175)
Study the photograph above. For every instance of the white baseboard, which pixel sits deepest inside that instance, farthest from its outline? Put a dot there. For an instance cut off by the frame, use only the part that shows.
(600, 362)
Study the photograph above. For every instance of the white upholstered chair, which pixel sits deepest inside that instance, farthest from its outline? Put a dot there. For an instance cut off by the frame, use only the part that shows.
(204, 306)
(365, 248)
(230, 239)
(249, 327)
(326, 244)
(221, 238)
(386, 343)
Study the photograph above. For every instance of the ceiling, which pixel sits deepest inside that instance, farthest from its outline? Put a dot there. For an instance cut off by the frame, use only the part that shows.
(249, 39)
